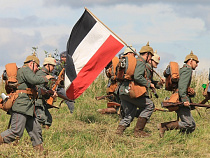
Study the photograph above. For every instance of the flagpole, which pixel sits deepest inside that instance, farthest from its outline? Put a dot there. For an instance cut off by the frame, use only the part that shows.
(106, 26)
(116, 35)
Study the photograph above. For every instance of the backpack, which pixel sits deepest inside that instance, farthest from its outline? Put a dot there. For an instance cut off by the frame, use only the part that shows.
(125, 71)
(111, 68)
(111, 74)
(10, 77)
(125, 68)
(172, 76)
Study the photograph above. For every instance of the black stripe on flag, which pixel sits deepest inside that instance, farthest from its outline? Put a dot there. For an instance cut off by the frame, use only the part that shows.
(78, 33)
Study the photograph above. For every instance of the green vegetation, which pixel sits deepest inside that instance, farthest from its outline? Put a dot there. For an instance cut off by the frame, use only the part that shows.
(85, 133)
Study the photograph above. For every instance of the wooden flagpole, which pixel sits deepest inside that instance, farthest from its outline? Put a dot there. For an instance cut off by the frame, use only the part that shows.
(106, 26)
(116, 36)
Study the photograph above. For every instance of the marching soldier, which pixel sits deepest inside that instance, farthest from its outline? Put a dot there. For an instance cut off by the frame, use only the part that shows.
(22, 112)
(113, 106)
(142, 101)
(41, 107)
(186, 123)
(153, 63)
(58, 68)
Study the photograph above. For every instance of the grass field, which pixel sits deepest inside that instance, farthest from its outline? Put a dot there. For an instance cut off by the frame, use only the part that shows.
(86, 133)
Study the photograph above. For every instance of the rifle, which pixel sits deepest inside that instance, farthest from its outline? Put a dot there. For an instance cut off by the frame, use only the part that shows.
(51, 92)
(172, 104)
(50, 100)
(157, 109)
(103, 97)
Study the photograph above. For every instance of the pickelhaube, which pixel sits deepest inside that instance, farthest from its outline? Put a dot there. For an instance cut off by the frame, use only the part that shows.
(156, 57)
(146, 49)
(129, 49)
(32, 57)
(49, 60)
(191, 56)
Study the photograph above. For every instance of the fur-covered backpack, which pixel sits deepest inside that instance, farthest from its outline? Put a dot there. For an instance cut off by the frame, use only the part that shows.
(172, 76)
(111, 74)
(125, 71)
(10, 78)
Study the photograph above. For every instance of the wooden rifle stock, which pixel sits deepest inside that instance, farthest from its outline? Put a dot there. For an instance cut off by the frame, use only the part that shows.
(103, 97)
(51, 92)
(51, 99)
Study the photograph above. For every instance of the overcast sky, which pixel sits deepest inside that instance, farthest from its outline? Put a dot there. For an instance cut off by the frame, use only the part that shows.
(173, 28)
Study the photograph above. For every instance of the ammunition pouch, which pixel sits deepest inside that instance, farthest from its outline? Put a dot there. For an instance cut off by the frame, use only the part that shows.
(136, 90)
(32, 93)
(174, 98)
(111, 88)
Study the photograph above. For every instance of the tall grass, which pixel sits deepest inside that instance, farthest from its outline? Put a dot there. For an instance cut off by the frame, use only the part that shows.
(86, 133)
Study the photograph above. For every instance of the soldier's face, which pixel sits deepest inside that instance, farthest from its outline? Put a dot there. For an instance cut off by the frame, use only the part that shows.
(33, 66)
(36, 67)
(51, 68)
(154, 64)
(194, 64)
(63, 59)
(149, 57)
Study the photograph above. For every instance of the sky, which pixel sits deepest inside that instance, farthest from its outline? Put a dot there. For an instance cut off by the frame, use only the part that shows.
(173, 28)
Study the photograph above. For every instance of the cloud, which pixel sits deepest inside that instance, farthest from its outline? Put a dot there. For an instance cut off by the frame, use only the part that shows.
(155, 22)
(173, 28)
(29, 21)
(91, 3)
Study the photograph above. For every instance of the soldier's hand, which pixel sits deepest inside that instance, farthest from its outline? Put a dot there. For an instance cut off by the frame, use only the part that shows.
(49, 77)
(187, 103)
(191, 91)
(152, 85)
(55, 94)
(163, 80)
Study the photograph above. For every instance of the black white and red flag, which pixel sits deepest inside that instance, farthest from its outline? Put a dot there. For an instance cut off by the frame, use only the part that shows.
(91, 46)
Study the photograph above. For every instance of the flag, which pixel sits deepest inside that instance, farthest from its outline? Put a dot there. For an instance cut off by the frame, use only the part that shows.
(91, 46)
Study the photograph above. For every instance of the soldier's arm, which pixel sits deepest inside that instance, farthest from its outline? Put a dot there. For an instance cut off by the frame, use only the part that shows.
(183, 83)
(40, 73)
(32, 78)
(139, 75)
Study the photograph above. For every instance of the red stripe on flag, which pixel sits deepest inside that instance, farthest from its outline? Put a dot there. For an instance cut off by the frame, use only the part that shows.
(94, 66)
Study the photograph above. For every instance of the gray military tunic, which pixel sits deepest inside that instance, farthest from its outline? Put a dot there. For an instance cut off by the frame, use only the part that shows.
(41, 107)
(187, 123)
(22, 112)
(144, 103)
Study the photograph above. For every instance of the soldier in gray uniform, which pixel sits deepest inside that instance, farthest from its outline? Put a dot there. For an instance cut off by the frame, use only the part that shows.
(143, 102)
(41, 107)
(22, 112)
(187, 123)
(59, 66)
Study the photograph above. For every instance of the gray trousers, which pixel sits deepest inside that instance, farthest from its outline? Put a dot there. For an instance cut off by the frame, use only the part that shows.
(69, 104)
(187, 122)
(18, 123)
(130, 106)
(43, 115)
